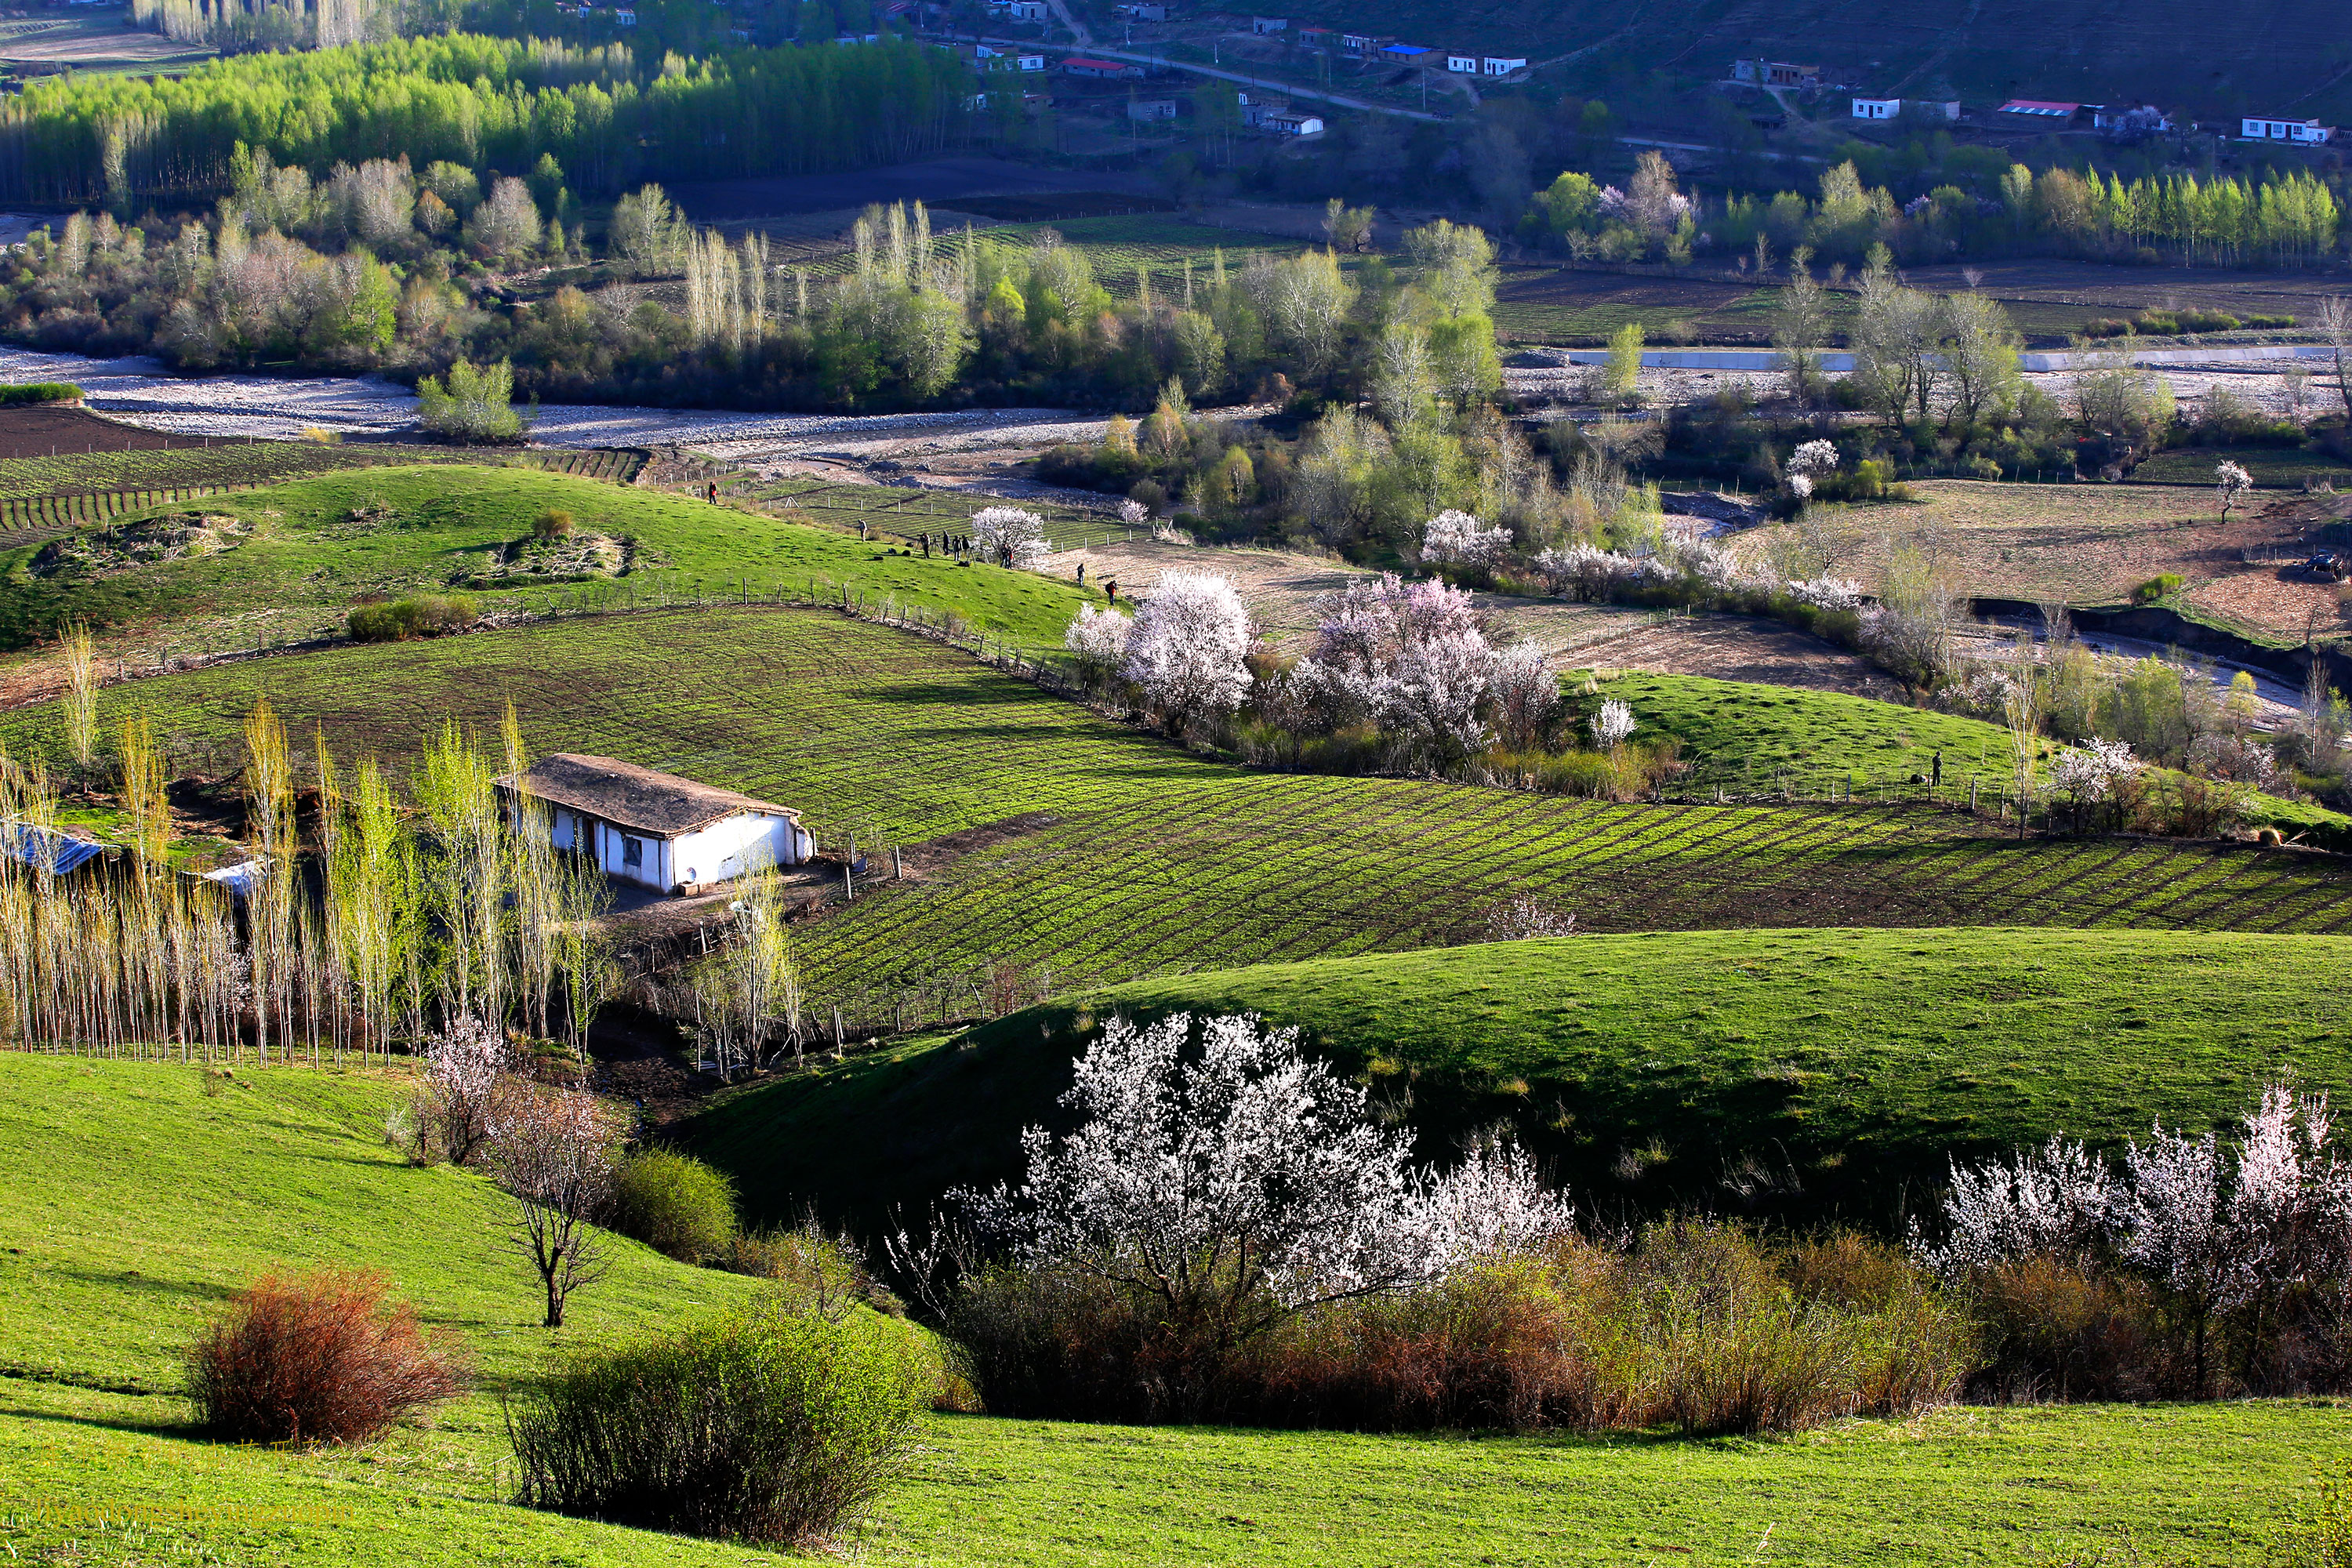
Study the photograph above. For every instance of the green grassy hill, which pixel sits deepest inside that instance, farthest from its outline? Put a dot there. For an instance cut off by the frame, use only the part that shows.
(136, 1201)
(1748, 739)
(1793, 1071)
(325, 541)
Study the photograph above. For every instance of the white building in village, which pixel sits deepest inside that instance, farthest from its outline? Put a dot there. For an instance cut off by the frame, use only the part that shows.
(656, 830)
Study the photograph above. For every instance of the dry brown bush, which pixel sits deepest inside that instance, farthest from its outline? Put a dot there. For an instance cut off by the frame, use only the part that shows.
(322, 1358)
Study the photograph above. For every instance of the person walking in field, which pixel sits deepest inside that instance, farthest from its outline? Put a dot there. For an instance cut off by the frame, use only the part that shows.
(1111, 588)
(1081, 574)
(710, 492)
(1935, 777)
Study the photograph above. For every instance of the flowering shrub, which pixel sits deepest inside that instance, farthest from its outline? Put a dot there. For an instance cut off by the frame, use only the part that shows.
(1458, 539)
(1010, 537)
(2092, 773)
(1828, 593)
(1613, 724)
(1411, 659)
(1134, 513)
(2252, 1234)
(1593, 575)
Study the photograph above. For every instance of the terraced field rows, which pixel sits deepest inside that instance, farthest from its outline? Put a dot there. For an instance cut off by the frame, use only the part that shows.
(909, 513)
(1111, 854)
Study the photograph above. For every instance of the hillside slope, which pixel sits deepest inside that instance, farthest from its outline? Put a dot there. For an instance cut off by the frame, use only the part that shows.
(1792, 1072)
(2269, 56)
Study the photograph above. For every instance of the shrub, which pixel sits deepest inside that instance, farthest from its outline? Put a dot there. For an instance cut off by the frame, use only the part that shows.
(767, 1425)
(553, 524)
(674, 1204)
(321, 1359)
(39, 391)
(820, 1273)
(2161, 586)
(425, 615)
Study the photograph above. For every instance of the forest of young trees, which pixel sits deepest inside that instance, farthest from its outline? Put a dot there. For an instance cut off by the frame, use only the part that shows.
(2289, 219)
(483, 103)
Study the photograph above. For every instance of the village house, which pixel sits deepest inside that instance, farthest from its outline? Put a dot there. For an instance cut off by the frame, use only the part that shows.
(2041, 108)
(1148, 110)
(1357, 43)
(1776, 73)
(1287, 122)
(1109, 70)
(1143, 11)
(656, 830)
(1877, 108)
(2301, 132)
(1269, 24)
(1461, 65)
(1502, 64)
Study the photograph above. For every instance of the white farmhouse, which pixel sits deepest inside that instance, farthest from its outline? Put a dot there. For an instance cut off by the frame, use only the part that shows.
(1877, 108)
(2302, 132)
(656, 830)
(1501, 65)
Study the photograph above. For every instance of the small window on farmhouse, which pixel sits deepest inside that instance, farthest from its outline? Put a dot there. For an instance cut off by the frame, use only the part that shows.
(633, 851)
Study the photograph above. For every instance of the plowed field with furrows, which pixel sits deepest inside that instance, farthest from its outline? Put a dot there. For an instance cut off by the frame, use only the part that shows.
(1132, 858)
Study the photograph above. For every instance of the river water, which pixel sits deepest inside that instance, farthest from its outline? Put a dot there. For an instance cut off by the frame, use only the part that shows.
(139, 390)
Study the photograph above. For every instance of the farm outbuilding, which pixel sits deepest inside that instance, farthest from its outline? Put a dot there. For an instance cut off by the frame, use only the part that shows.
(657, 830)
(1877, 108)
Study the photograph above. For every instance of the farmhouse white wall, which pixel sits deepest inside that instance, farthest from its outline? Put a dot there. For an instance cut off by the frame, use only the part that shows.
(732, 847)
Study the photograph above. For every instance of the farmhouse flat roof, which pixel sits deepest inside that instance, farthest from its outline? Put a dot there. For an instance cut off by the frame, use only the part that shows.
(627, 795)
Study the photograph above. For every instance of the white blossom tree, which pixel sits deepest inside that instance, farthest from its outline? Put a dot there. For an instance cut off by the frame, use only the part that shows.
(1244, 1183)
(1010, 536)
(2219, 1225)
(1811, 458)
(2092, 773)
(1525, 695)
(2230, 483)
(1187, 648)
(1458, 539)
(1098, 639)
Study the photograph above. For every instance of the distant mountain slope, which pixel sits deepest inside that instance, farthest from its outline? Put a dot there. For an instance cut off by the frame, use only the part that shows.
(2264, 56)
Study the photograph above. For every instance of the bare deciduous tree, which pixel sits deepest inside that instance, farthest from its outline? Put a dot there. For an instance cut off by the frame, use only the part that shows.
(556, 1152)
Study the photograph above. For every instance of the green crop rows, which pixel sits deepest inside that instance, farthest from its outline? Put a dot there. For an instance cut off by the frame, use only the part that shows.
(910, 513)
(1130, 857)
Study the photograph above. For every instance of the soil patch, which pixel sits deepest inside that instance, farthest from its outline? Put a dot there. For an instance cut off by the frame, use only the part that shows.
(1735, 647)
(48, 430)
